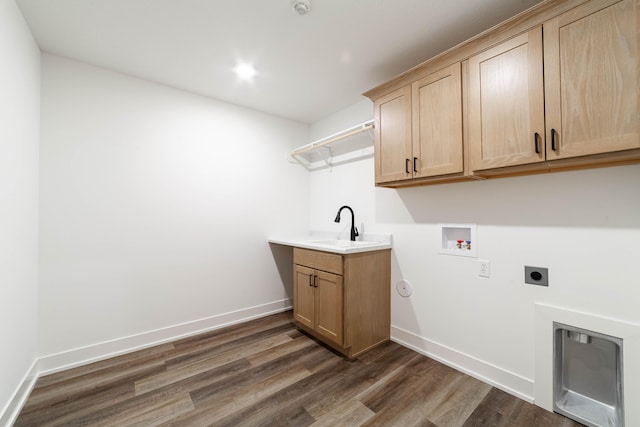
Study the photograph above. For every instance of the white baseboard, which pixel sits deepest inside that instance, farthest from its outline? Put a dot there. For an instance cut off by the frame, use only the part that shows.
(84, 355)
(14, 406)
(507, 381)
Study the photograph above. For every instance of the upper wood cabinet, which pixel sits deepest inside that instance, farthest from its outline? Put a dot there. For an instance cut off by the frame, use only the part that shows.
(437, 123)
(506, 103)
(392, 145)
(591, 79)
(589, 82)
(554, 88)
(419, 128)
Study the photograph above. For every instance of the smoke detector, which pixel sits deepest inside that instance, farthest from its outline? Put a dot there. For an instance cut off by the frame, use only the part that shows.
(301, 7)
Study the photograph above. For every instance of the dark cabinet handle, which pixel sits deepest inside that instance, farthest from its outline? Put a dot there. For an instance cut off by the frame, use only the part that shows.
(311, 280)
(536, 138)
(415, 161)
(315, 281)
(553, 139)
(406, 166)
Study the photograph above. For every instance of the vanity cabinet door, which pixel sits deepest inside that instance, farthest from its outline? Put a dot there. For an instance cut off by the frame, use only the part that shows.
(506, 103)
(303, 296)
(318, 302)
(329, 306)
(591, 79)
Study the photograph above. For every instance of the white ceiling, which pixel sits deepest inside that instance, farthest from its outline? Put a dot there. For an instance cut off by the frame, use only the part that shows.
(308, 66)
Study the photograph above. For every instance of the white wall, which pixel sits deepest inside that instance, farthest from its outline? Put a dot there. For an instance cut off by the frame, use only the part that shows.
(19, 136)
(350, 184)
(156, 206)
(583, 225)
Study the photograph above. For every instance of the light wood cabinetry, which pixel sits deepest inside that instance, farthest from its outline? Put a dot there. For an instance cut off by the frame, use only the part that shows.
(393, 147)
(554, 88)
(591, 79)
(419, 132)
(437, 124)
(318, 302)
(590, 89)
(343, 300)
(506, 103)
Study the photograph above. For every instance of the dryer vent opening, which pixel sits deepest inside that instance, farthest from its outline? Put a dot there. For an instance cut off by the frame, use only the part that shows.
(587, 376)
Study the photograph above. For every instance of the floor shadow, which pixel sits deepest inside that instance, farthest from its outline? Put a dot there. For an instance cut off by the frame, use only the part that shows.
(283, 257)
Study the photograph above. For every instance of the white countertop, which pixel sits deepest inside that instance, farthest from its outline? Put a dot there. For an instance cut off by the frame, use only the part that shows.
(328, 242)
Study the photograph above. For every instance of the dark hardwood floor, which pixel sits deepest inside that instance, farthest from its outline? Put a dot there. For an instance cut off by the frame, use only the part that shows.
(267, 373)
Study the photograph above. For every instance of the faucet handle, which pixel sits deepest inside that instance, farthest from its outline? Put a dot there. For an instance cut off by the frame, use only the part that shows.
(356, 229)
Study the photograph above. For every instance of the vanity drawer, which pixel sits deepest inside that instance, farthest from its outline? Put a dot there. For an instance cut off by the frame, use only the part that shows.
(318, 260)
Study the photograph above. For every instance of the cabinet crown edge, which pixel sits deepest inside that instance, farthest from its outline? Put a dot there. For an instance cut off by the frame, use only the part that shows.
(518, 24)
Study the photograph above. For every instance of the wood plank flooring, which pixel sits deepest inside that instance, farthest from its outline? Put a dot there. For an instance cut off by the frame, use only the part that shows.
(267, 373)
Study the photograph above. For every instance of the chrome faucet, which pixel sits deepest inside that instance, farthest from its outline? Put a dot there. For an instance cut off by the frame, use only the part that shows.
(354, 230)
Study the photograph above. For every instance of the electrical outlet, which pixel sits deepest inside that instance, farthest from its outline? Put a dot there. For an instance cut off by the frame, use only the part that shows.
(536, 275)
(484, 268)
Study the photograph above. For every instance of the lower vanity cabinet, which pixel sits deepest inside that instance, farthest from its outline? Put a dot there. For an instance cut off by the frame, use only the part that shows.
(318, 302)
(343, 300)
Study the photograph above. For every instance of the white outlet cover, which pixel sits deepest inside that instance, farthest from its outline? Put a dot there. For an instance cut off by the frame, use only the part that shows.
(484, 268)
(404, 288)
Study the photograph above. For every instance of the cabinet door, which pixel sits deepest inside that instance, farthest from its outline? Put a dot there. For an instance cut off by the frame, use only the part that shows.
(506, 103)
(303, 296)
(393, 136)
(437, 123)
(329, 306)
(591, 79)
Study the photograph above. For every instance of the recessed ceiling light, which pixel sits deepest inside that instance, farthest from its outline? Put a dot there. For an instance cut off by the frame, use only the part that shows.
(245, 71)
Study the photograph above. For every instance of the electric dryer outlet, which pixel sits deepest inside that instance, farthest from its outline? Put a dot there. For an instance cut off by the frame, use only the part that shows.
(536, 275)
